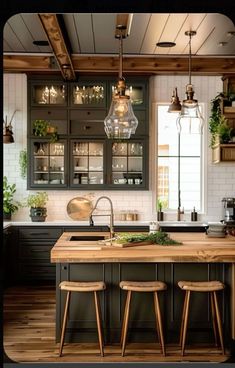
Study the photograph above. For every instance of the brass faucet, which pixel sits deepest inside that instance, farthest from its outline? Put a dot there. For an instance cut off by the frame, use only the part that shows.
(179, 210)
(111, 226)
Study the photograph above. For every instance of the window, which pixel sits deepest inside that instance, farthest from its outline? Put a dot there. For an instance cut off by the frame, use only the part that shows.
(179, 171)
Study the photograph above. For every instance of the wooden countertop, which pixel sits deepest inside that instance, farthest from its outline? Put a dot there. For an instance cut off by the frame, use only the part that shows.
(195, 247)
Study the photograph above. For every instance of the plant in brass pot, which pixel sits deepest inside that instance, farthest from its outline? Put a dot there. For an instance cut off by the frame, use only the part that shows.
(37, 203)
(9, 205)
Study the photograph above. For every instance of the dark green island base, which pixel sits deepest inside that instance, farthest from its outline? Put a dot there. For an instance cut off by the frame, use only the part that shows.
(81, 325)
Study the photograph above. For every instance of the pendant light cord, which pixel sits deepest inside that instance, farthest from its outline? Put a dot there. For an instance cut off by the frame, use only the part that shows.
(190, 61)
(120, 56)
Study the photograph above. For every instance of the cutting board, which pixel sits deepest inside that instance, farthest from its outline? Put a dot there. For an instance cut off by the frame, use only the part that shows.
(132, 244)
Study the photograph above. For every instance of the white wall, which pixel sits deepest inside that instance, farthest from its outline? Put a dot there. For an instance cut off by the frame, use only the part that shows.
(220, 177)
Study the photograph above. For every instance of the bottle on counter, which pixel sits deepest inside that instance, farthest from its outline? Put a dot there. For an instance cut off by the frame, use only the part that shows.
(194, 215)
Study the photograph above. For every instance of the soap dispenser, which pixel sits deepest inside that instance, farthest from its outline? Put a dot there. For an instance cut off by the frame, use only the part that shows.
(194, 215)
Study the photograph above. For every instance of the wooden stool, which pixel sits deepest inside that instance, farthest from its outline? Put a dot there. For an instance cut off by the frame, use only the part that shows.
(142, 286)
(93, 286)
(202, 286)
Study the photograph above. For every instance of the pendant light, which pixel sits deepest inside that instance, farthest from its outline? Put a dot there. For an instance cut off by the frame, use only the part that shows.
(175, 105)
(120, 122)
(190, 109)
(8, 130)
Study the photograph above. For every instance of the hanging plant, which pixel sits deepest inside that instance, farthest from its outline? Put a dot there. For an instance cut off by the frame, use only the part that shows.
(23, 163)
(215, 118)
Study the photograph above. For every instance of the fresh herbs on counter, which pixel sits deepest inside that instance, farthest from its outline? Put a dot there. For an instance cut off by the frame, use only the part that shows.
(158, 237)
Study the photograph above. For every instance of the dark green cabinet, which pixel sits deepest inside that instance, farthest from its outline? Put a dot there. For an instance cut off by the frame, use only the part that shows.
(88, 159)
(35, 244)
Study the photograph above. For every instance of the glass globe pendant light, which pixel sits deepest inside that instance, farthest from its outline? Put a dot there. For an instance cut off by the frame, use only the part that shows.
(190, 111)
(120, 122)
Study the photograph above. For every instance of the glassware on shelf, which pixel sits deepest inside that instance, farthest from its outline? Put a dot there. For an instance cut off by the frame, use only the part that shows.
(88, 94)
(41, 150)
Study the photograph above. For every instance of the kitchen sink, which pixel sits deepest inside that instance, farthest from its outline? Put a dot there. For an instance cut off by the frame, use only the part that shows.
(87, 237)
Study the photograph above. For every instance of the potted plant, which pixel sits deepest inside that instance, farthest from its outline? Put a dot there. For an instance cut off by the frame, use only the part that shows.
(37, 203)
(9, 205)
(224, 130)
(41, 128)
(215, 118)
(160, 213)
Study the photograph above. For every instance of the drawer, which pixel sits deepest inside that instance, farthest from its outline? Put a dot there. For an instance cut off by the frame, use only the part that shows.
(40, 233)
(87, 128)
(36, 252)
(94, 115)
(48, 114)
(31, 272)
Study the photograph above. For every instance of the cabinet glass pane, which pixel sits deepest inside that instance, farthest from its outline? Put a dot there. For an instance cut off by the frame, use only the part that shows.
(48, 163)
(127, 163)
(49, 94)
(136, 94)
(88, 94)
(88, 163)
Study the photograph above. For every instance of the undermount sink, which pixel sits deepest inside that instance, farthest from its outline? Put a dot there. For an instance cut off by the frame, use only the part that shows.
(87, 238)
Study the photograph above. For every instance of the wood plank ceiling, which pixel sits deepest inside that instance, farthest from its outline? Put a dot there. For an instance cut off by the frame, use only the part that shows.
(89, 44)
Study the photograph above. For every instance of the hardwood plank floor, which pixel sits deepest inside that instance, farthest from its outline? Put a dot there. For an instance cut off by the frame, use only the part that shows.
(29, 335)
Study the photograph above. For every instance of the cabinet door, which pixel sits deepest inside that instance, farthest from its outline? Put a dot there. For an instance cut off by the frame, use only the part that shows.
(48, 164)
(128, 164)
(87, 122)
(48, 93)
(87, 163)
(92, 94)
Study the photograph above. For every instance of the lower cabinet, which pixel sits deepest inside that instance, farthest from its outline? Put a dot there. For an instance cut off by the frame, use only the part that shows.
(142, 323)
(35, 244)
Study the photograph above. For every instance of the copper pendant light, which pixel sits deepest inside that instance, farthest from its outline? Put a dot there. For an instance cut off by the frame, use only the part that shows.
(7, 131)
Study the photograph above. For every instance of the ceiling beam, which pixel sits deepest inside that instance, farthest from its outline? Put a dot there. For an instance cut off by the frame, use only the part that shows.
(56, 39)
(131, 65)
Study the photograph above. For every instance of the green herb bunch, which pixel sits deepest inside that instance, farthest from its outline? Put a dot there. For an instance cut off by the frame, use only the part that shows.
(158, 237)
(37, 200)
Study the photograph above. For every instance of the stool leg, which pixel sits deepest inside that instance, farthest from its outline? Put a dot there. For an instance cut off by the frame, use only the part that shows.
(125, 321)
(98, 319)
(182, 321)
(159, 322)
(214, 318)
(185, 323)
(64, 323)
(219, 323)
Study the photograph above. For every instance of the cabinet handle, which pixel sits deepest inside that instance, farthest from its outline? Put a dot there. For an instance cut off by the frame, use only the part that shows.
(49, 112)
(39, 233)
(37, 251)
(86, 127)
(88, 113)
(64, 268)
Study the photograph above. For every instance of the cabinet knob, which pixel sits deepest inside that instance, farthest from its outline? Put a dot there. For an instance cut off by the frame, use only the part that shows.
(88, 113)
(64, 268)
(49, 112)
(87, 127)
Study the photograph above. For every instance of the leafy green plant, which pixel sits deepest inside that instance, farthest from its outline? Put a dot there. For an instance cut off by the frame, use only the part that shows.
(37, 200)
(42, 128)
(23, 163)
(159, 205)
(215, 118)
(9, 205)
(224, 130)
(158, 237)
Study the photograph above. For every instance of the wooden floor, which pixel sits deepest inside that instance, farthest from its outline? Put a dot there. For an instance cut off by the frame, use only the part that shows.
(29, 336)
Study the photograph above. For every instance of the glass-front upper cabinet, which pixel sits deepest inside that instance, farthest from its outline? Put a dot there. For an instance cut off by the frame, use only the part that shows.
(87, 168)
(48, 93)
(88, 94)
(48, 164)
(136, 91)
(128, 164)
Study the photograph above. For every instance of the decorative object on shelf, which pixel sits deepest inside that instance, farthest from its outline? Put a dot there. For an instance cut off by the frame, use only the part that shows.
(37, 203)
(7, 130)
(120, 122)
(42, 128)
(9, 205)
(190, 108)
(23, 163)
(160, 213)
(175, 105)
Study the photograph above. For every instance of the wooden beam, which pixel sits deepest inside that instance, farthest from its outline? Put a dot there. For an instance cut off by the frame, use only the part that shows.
(56, 39)
(131, 65)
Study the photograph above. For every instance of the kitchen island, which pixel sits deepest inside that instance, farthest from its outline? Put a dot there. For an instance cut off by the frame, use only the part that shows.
(198, 258)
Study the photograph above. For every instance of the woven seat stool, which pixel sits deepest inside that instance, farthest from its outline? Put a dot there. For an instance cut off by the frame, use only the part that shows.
(202, 286)
(73, 286)
(142, 286)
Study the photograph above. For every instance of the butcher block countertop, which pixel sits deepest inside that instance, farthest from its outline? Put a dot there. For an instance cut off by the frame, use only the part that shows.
(195, 247)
